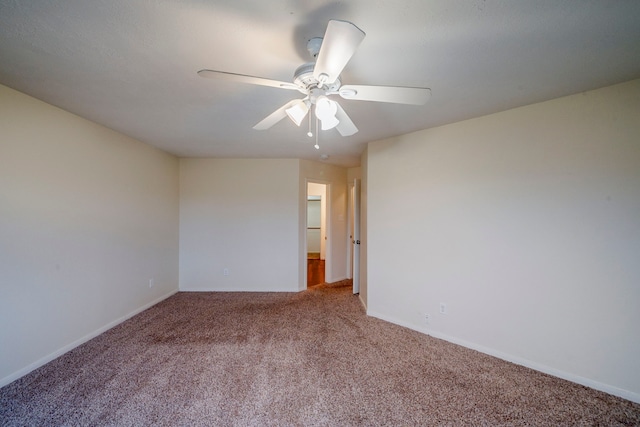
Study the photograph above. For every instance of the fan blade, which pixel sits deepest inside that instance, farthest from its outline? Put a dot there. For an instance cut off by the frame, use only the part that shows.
(276, 116)
(395, 94)
(346, 126)
(340, 42)
(242, 78)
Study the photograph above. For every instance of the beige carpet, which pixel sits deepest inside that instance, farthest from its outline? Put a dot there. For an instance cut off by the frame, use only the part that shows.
(283, 359)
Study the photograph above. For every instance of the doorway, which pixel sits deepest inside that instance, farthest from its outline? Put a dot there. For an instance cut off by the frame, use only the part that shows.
(355, 235)
(316, 233)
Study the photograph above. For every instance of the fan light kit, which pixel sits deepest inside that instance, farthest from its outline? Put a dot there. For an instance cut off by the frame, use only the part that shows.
(298, 111)
(321, 79)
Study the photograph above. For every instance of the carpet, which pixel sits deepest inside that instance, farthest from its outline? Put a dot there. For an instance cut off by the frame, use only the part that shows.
(290, 359)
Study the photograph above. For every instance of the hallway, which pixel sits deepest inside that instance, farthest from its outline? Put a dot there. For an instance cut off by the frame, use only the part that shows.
(315, 271)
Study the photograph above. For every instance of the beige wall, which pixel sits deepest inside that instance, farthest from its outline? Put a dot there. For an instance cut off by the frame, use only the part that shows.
(354, 173)
(241, 215)
(248, 216)
(526, 224)
(87, 218)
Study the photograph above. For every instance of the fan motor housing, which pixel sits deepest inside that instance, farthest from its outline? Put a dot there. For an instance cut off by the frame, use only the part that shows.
(303, 76)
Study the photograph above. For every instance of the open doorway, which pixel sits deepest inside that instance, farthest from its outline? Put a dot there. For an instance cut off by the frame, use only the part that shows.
(316, 233)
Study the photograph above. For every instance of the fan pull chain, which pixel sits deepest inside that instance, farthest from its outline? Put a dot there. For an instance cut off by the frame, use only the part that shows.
(317, 146)
(310, 134)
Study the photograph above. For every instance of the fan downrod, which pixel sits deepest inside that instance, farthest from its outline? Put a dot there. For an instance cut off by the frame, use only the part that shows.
(313, 46)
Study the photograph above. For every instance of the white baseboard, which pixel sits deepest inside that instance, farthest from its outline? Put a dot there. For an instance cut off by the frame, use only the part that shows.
(48, 358)
(240, 290)
(363, 303)
(625, 394)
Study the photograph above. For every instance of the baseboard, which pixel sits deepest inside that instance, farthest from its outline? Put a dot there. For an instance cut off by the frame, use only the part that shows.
(362, 302)
(625, 394)
(48, 358)
(238, 290)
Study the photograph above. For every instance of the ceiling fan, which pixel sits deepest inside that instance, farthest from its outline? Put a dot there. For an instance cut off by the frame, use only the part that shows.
(321, 79)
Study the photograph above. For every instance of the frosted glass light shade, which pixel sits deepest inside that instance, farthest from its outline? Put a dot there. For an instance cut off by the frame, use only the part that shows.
(329, 123)
(297, 112)
(326, 110)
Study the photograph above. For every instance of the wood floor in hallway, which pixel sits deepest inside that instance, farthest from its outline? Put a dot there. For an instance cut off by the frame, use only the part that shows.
(315, 271)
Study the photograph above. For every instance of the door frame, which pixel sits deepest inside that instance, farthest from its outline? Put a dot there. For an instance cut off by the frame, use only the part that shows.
(357, 235)
(327, 214)
(350, 225)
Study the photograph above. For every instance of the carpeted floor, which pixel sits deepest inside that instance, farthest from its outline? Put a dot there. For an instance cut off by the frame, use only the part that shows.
(282, 359)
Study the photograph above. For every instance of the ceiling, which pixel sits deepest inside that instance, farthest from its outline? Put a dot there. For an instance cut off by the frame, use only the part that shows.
(131, 65)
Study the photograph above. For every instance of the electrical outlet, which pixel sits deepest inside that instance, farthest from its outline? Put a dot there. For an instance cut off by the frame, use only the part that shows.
(225, 272)
(427, 318)
(443, 308)
(151, 283)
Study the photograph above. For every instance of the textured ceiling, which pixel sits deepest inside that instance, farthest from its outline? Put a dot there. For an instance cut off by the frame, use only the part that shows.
(131, 64)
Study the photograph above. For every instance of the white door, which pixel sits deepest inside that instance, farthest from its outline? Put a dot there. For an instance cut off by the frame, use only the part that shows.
(356, 236)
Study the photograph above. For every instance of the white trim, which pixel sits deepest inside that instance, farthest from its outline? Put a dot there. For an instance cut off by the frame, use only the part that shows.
(327, 231)
(363, 304)
(48, 358)
(625, 394)
(349, 230)
(283, 290)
